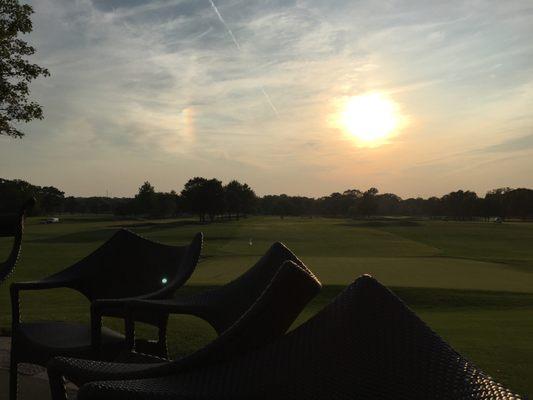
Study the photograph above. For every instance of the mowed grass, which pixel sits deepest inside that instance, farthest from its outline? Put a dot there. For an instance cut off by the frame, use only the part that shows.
(471, 282)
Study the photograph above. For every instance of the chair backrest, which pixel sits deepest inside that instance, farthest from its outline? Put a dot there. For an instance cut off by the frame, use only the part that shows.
(366, 344)
(229, 302)
(12, 225)
(269, 317)
(128, 265)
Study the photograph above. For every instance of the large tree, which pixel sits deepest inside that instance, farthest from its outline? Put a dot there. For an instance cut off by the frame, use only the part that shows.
(239, 198)
(204, 197)
(368, 205)
(461, 204)
(145, 199)
(16, 72)
(50, 199)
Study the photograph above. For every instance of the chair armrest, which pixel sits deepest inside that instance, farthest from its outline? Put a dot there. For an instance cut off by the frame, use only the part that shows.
(163, 308)
(39, 285)
(16, 287)
(106, 307)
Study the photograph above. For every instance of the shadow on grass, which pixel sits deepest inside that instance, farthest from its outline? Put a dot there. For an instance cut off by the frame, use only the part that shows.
(148, 226)
(383, 223)
(423, 298)
(456, 299)
(98, 235)
(82, 219)
(101, 235)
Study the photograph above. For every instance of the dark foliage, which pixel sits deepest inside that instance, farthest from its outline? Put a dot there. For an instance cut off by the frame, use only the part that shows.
(209, 199)
(239, 199)
(14, 193)
(460, 205)
(16, 72)
(203, 197)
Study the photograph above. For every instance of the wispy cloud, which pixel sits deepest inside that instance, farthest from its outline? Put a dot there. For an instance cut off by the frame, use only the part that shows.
(510, 145)
(186, 87)
(234, 39)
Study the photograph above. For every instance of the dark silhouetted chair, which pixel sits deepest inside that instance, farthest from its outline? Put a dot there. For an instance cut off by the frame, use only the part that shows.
(366, 345)
(127, 266)
(221, 306)
(291, 288)
(12, 225)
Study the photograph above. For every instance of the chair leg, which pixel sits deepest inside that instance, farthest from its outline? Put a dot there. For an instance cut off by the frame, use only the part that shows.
(162, 342)
(13, 378)
(57, 385)
(129, 328)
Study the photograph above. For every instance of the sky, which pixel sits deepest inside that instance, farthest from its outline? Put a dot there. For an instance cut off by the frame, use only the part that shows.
(165, 90)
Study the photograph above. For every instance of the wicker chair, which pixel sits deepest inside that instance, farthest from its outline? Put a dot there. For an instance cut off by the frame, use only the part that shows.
(366, 345)
(12, 225)
(223, 305)
(291, 288)
(127, 266)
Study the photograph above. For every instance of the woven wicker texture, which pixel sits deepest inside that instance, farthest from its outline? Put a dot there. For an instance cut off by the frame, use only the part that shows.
(125, 267)
(367, 345)
(290, 289)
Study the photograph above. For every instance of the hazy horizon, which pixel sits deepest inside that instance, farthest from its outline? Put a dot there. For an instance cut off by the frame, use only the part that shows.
(301, 97)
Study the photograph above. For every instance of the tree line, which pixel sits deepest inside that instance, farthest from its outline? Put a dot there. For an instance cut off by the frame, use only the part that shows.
(210, 199)
(206, 198)
(502, 203)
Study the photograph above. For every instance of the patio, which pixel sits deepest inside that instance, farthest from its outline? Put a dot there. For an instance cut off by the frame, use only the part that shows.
(33, 382)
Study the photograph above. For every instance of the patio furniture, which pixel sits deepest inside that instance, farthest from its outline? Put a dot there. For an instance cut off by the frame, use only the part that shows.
(366, 345)
(12, 225)
(267, 319)
(127, 266)
(223, 305)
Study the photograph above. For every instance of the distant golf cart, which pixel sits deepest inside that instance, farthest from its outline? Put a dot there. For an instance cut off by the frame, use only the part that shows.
(52, 220)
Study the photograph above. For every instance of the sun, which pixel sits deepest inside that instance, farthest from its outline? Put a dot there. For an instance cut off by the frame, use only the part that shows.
(370, 119)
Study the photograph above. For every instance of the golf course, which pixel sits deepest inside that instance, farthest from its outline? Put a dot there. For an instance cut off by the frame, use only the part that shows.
(472, 282)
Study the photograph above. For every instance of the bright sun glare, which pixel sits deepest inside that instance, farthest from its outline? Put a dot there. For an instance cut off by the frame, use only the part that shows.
(370, 119)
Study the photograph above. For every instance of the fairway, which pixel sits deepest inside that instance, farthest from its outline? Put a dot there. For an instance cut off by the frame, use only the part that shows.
(471, 282)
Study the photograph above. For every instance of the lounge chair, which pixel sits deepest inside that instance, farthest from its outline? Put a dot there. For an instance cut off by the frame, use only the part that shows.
(273, 312)
(127, 266)
(366, 345)
(12, 225)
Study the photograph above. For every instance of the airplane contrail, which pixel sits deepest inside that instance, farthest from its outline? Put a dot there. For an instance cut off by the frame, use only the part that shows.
(269, 101)
(214, 7)
(235, 41)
